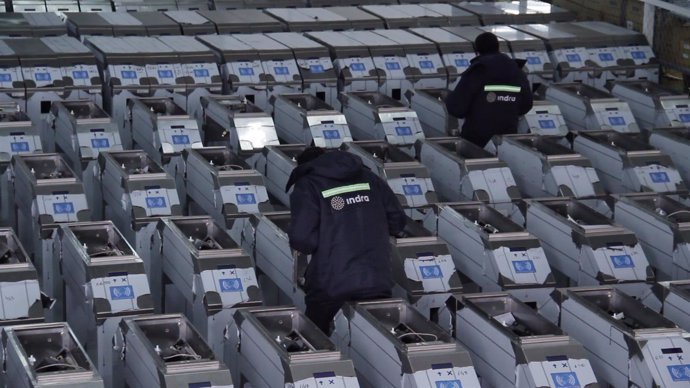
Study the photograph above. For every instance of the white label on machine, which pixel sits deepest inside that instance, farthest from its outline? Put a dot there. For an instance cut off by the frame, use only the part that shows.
(668, 360)
(231, 284)
(62, 207)
(560, 372)
(494, 181)
(245, 196)
(443, 376)
(155, 201)
(580, 180)
(522, 266)
(325, 379)
(16, 298)
(433, 271)
(120, 290)
(658, 178)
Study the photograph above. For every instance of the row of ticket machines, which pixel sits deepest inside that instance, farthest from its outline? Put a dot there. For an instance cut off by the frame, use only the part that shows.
(150, 258)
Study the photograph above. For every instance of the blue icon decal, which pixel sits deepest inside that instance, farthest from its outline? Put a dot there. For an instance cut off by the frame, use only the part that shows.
(165, 74)
(622, 261)
(155, 202)
(331, 134)
(524, 266)
(679, 372)
(281, 70)
(684, 117)
(5, 77)
(430, 271)
(392, 66)
(462, 62)
(230, 285)
(180, 139)
(63, 208)
(100, 143)
(128, 74)
(245, 199)
(426, 64)
(449, 384)
(638, 55)
(606, 57)
(533, 60)
(199, 73)
(80, 74)
(573, 57)
(316, 68)
(616, 120)
(20, 146)
(403, 131)
(412, 189)
(547, 124)
(565, 380)
(43, 77)
(246, 71)
(659, 177)
(357, 67)
(121, 292)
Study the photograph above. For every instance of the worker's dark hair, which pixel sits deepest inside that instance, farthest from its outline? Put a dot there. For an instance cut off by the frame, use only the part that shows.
(486, 43)
(309, 154)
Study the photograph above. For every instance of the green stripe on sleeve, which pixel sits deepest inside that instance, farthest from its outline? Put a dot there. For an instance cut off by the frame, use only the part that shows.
(345, 189)
(502, 88)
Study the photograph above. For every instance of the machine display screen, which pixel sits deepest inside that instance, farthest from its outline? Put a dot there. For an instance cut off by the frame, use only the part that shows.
(331, 134)
(392, 66)
(5, 77)
(426, 64)
(100, 143)
(430, 271)
(412, 189)
(684, 117)
(324, 375)
(357, 67)
(206, 384)
(180, 139)
(121, 292)
(42, 76)
(547, 124)
(462, 62)
(403, 131)
(616, 120)
(573, 57)
(565, 380)
(659, 177)
(201, 73)
(165, 73)
(20, 146)
(155, 202)
(80, 74)
(679, 372)
(63, 208)
(245, 199)
(533, 61)
(607, 57)
(622, 261)
(129, 74)
(246, 71)
(638, 55)
(316, 68)
(230, 285)
(281, 70)
(524, 266)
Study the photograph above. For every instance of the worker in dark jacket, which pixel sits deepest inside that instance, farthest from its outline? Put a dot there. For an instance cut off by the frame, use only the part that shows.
(342, 215)
(491, 95)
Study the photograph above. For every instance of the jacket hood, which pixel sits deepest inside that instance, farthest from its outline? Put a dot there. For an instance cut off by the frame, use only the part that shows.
(336, 165)
(498, 63)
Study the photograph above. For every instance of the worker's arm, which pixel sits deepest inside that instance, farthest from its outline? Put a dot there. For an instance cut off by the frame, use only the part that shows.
(459, 101)
(394, 211)
(526, 95)
(304, 225)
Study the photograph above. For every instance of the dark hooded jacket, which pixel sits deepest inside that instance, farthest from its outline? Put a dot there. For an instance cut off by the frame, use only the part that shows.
(343, 215)
(491, 95)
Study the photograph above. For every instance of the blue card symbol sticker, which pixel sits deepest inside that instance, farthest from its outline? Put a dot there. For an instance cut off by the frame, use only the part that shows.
(331, 134)
(230, 285)
(201, 73)
(42, 76)
(63, 208)
(616, 120)
(357, 67)
(121, 292)
(316, 68)
(449, 384)
(431, 271)
(638, 55)
(100, 143)
(608, 57)
(80, 74)
(5, 77)
(128, 74)
(245, 199)
(573, 57)
(684, 117)
(20, 146)
(622, 261)
(679, 372)
(462, 63)
(547, 124)
(246, 71)
(524, 266)
(659, 177)
(165, 73)
(533, 61)
(281, 70)
(180, 139)
(565, 380)
(392, 66)
(155, 202)
(412, 189)
(403, 131)
(426, 64)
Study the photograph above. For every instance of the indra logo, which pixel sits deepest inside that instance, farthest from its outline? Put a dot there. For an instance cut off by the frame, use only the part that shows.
(339, 203)
(491, 97)
(506, 98)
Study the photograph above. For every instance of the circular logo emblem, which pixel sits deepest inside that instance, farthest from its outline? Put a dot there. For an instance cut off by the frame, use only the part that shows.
(337, 203)
(491, 97)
